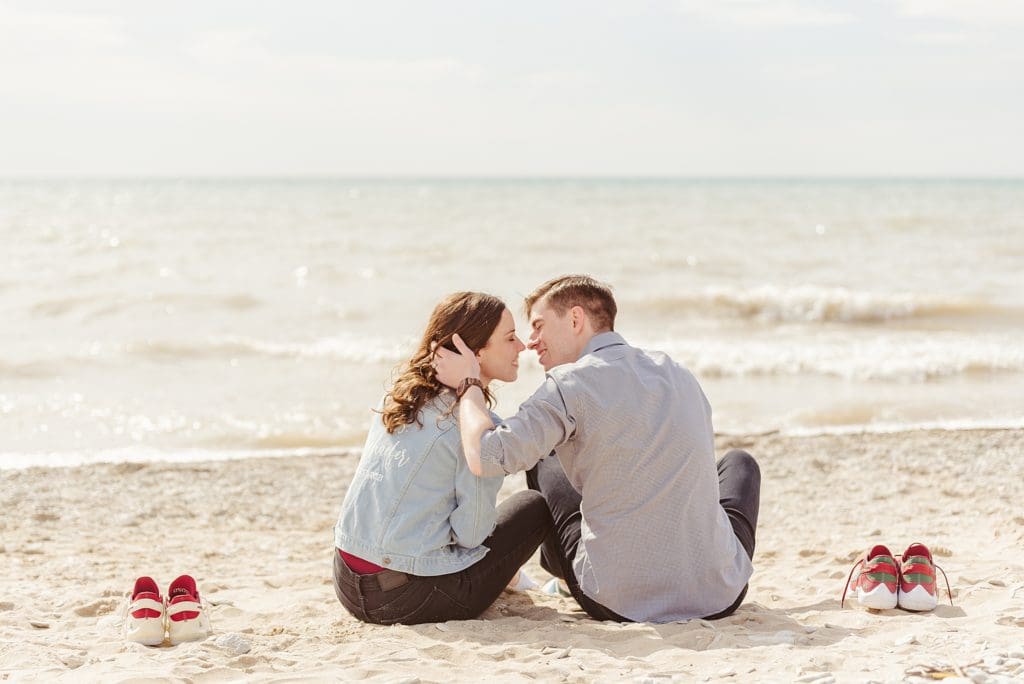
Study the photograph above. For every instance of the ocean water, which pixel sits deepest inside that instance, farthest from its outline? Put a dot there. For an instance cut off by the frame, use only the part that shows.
(191, 319)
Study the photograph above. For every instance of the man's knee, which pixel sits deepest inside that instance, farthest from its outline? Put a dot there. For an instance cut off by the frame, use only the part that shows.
(740, 459)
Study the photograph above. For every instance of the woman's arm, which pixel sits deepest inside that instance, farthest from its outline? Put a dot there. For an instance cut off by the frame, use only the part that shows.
(542, 423)
(474, 418)
(474, 422)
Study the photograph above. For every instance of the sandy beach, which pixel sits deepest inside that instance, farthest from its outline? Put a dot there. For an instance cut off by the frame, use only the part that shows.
(257, 535)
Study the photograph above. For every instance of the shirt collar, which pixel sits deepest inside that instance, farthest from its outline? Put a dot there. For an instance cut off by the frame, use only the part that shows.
(602, 340)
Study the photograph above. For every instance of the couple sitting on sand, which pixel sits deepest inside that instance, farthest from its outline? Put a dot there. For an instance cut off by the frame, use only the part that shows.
(625, 499)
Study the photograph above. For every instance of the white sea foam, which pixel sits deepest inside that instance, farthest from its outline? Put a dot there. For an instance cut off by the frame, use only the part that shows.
(349, 348)
(64, 429)
(68, 459)
(16, 461)
(1000, 423)
(912, 357)
(107, 305)
(813, 304)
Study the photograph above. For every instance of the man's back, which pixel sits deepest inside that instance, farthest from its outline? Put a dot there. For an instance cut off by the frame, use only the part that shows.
(635, 438)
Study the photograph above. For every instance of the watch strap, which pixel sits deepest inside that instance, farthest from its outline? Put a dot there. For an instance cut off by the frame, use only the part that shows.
(466, 384)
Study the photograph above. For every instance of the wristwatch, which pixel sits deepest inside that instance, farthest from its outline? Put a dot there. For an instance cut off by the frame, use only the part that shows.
(466, 384)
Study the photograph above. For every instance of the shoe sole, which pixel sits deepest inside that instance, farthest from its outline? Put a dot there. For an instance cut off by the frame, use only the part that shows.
(917, 599)
(879, 598)
(148, 632)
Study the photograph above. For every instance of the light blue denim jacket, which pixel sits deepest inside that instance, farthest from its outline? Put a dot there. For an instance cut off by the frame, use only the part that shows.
(413, 505)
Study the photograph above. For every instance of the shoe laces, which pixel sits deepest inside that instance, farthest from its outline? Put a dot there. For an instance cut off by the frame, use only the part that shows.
(846, 587)
(949, 594)
(878, 551)
(860, 562)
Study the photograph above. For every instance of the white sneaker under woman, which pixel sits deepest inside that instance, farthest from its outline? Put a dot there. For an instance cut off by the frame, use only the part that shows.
(522, 582)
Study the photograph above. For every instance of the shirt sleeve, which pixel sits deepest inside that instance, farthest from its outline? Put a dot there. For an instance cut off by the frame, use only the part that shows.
(542, 423)
(475, 511)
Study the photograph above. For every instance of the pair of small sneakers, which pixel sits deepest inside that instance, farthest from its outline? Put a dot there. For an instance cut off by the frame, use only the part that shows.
(181, 617)
(882, 583)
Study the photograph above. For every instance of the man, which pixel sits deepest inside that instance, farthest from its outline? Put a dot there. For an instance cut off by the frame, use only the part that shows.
(647, 527)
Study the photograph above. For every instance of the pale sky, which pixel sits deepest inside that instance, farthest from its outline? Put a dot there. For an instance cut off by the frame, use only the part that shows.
(523, 88)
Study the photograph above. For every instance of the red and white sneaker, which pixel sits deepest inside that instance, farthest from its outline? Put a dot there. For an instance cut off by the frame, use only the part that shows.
(144, 618)
(186, 616)
(917, 579)
(876, 583)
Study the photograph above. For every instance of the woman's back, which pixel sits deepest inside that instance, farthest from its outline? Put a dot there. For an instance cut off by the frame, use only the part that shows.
(413, 505)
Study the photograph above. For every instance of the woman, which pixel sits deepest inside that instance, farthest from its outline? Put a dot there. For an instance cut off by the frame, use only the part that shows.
(419, 538)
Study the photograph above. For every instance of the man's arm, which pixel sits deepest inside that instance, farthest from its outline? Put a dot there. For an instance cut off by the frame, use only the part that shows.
(542, 423)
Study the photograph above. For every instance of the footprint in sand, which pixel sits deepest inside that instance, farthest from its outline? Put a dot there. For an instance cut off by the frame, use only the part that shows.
(439, 652)
(245, 661)
(46, 515)
(1016, 620)
(97, 607)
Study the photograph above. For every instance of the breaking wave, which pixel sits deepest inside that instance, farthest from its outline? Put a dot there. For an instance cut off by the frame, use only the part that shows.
(344, 348)
(905, 358)
(811, 304)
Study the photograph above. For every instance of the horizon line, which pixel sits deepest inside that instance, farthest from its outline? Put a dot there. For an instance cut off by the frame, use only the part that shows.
(501, 177)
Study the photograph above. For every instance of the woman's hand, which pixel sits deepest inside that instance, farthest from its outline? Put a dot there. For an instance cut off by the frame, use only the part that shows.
(454, 367)
(474, 420)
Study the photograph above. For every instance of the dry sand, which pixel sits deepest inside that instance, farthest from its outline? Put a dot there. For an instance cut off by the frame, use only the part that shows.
(257, 535)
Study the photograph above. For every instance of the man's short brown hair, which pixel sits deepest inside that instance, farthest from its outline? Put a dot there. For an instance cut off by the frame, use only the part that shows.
(567, 291)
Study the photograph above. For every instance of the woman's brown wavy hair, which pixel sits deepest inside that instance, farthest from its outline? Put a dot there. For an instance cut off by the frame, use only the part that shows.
(474, 316)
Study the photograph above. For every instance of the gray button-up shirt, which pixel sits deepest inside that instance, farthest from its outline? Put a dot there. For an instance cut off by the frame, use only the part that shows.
(632, 429)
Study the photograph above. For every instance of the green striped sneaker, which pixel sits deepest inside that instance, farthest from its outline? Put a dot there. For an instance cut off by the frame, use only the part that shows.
(876, 582)
(917, 579)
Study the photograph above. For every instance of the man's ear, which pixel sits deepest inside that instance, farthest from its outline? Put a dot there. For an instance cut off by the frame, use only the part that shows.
(579, 317)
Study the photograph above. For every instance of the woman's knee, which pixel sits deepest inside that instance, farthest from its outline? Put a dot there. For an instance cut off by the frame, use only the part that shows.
(538, 507)
(526, 510)
(526, 502)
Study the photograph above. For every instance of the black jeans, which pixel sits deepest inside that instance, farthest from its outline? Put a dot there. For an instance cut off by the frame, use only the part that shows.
(390, 597)
(739, 483)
